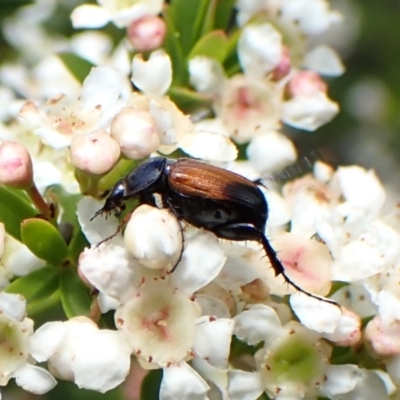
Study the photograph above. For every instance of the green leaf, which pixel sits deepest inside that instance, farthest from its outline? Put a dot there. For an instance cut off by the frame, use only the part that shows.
(150, 389)
(37, 285)
(214, 45)
(78, 66)
(68, 202)
(13, 211)
(188, 100)
(119, 171)
(187, 16)
(223, 14)
(75, 296)
(78, 243)
(231, 62)
(173, 47)
(44, 240)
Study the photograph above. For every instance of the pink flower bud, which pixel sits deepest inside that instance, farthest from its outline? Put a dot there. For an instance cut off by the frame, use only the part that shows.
(15, 166)
(95, 153)
(136, 133)
(147, 33)
(306, 83)
(381, 338)
(284, 65)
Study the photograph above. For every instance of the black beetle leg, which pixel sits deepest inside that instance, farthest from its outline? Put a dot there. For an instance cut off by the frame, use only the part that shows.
(120, 227)
(182, 248)
(245, 231)
(167, 204)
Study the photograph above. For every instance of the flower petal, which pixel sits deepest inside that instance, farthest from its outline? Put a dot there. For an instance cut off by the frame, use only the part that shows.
(244, 385)
(213, 339)
(13, 306)
(97, 229)
(153, 76)
(259, 323)
(34, 379)
(309, 112)
(89, 16)
(315, 314)
(182, 382)
(324, 60)
(102, 87)
(197, 267)
(209, 146)
(102, 361)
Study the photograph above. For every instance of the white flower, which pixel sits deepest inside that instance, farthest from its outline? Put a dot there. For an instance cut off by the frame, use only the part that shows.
(63, 118)
(16, 331)
(312, 16)
(95, 359)
(259, 49)
(249, 106)
(121, 13)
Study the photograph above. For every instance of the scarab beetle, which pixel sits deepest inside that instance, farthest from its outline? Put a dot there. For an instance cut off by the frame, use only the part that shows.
(223, 202)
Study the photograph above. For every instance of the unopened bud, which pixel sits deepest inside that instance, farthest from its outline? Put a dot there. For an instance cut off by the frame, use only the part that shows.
(147, 33)
(95, 153)
(382, 339)
(136, 133)
(153, 237)
(15, 166)
(306, 83)
(284, 65)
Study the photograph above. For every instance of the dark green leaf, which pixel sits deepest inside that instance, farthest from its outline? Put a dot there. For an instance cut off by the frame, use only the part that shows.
(78, 243)
(151, 385)
(44, 240)
(78, 66)
(68, 202)
(223, 14)
(188, 100)
(37, 285)
(118, 172)
(231, 63)
(214, 45)
(13, 211)
(187, 16)
(173, 47)
(75, 296)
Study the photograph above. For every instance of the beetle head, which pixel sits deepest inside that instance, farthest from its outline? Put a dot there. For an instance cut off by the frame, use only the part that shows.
(114, 201)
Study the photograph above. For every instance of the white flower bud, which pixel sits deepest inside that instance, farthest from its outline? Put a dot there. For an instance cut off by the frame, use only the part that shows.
(153, 237)
(95, 153)
(147, 33)
(135, 132)
(15, 166)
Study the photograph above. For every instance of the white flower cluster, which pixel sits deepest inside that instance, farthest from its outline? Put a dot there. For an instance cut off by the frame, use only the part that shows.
(184, 322)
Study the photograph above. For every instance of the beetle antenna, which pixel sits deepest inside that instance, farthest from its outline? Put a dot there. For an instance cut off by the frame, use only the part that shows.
(280, 270)
(97, 214)
(302, 166)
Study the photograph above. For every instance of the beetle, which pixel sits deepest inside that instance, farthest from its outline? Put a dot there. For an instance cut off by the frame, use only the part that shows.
(205, 196)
